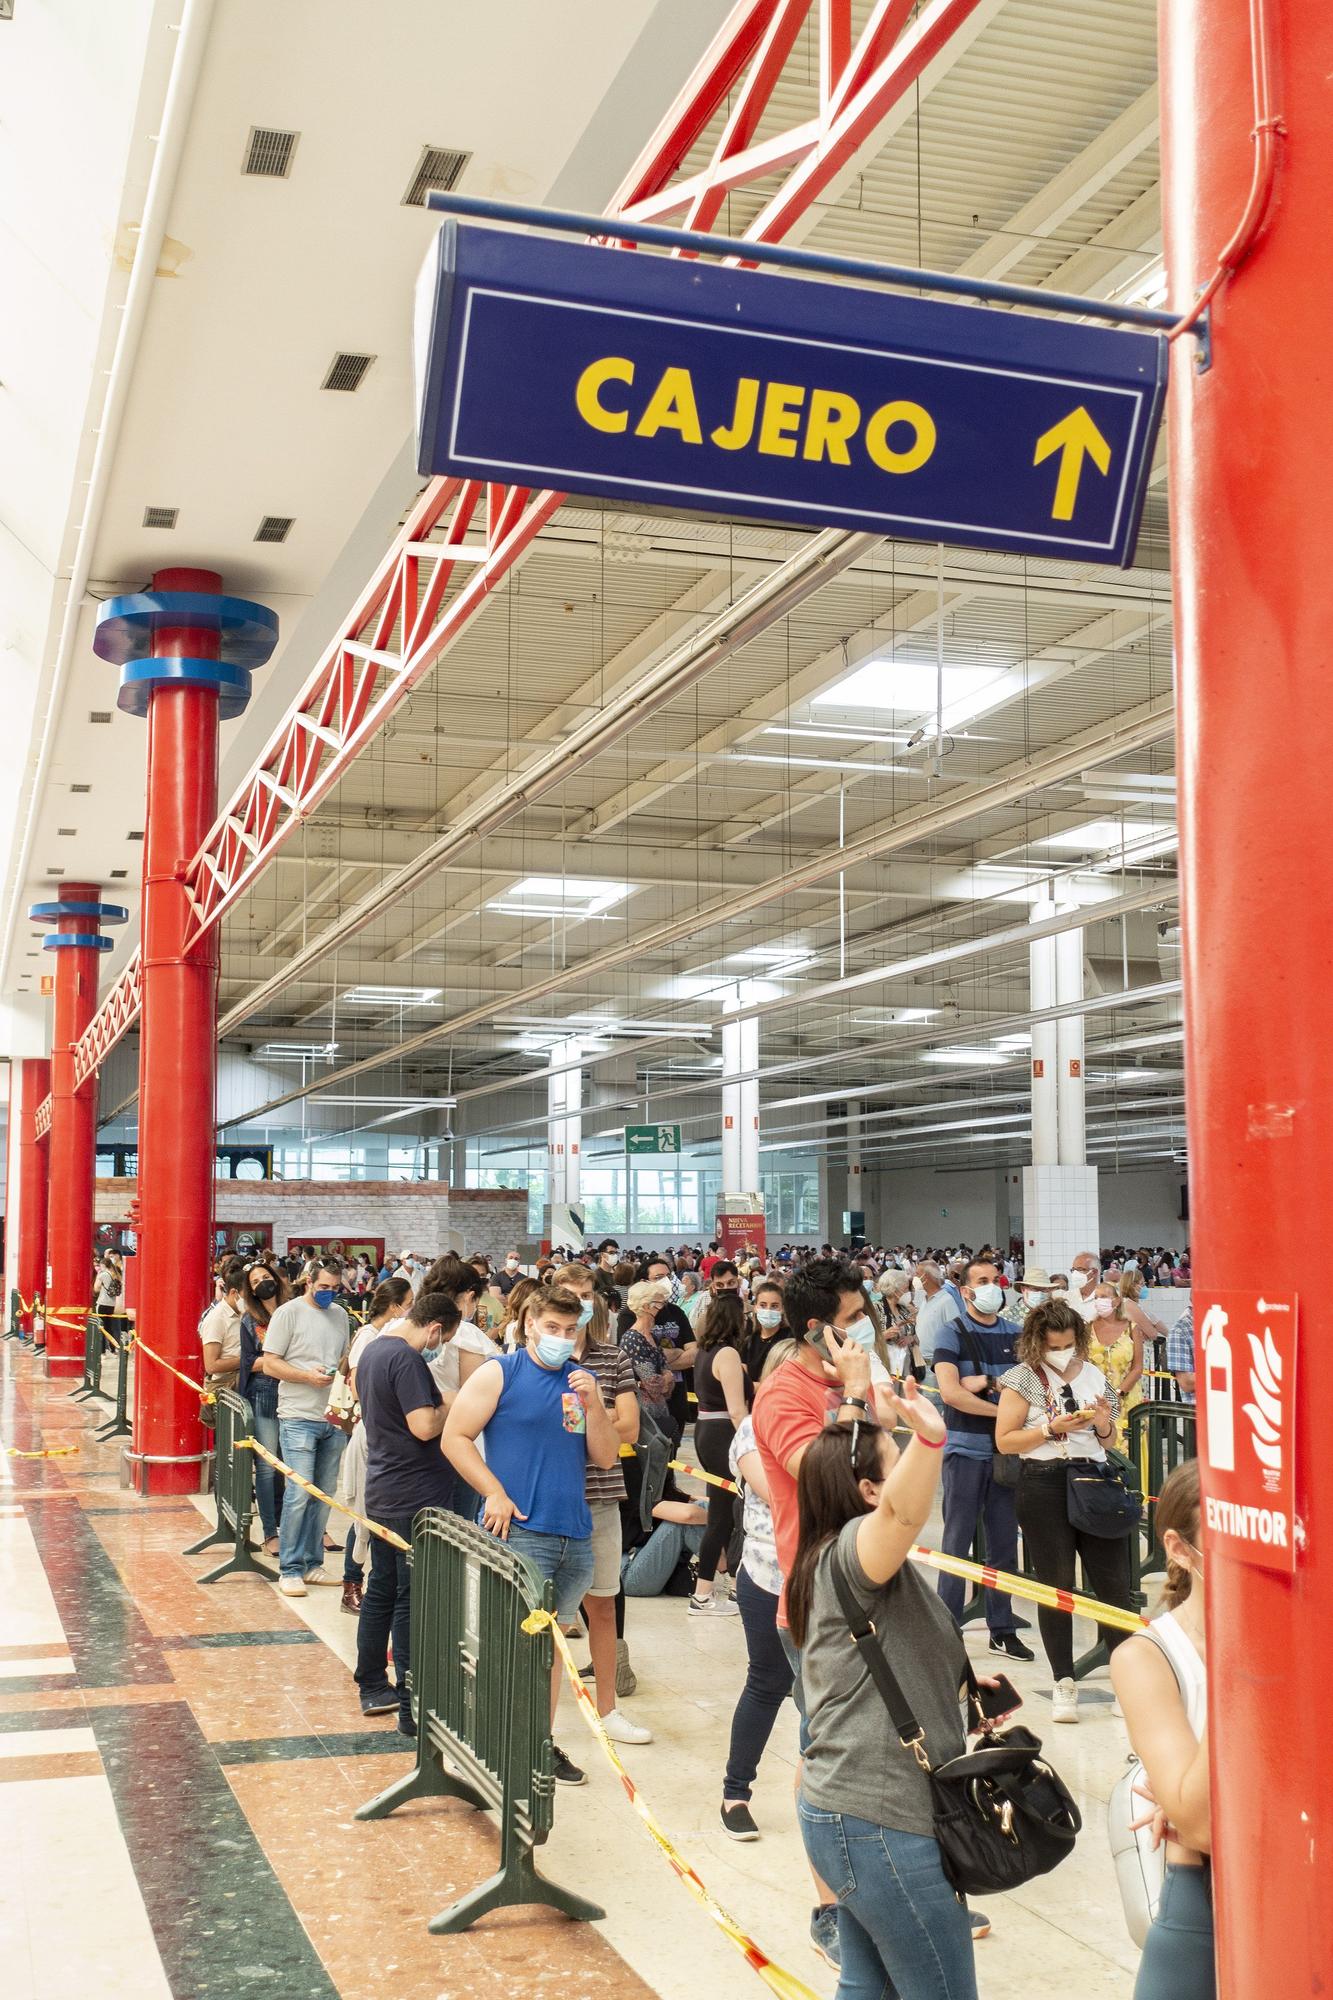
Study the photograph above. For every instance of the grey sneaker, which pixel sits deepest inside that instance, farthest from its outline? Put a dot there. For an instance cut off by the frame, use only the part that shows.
(824, 1934)
(626, 1678)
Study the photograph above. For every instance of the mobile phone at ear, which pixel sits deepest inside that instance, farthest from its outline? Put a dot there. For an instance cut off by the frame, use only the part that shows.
(1000, 1700)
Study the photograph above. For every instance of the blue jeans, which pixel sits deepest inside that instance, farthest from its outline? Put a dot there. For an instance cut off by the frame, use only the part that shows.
(768, 1682)
(566, 1560)
(972, 1499)
(312, 1447)
(903, 1933)
(269, 1485)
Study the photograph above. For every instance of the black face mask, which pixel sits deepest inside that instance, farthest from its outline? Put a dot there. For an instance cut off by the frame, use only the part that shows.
(265, 1291)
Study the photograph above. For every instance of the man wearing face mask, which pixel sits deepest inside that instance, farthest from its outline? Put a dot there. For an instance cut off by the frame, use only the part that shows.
(544, 1423)
(306, 1347)
(402, 1413)
(1084, 1276)
(975, 1348)
(512, 1272)
(936, 1306)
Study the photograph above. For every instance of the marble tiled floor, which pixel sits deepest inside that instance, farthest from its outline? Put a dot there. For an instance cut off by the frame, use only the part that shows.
(179, 1768)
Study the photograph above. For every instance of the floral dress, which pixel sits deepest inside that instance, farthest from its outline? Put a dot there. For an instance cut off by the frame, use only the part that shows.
(1115, 1359)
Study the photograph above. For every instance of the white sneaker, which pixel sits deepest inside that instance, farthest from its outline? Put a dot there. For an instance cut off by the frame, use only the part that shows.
(622, 1731)
(713, 1607)
(1064, 1702)
(292, 1586)
(319, 1575)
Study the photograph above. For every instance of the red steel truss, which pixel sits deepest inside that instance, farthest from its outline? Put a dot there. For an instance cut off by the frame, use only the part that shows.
(460, 530)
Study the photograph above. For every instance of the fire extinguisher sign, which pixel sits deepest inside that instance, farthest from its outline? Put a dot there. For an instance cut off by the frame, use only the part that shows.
(1246, 1389)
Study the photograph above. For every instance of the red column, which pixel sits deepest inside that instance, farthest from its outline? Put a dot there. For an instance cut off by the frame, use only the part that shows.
(34, 1080)
(73, 1137)
(1251, 446)
(177, 1057)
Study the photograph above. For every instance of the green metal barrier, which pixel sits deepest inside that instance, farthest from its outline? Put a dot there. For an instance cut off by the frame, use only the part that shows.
(233, 1489)
(120, 1425)
(14, 1331)
(1161, 1437)
(481, 1691)
(91, 1384)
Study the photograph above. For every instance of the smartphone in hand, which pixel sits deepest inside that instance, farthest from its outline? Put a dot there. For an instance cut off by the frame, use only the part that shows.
(994, 1703)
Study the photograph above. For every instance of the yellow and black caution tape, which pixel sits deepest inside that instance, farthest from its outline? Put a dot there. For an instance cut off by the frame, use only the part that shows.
(776, 1977)
(317, 1493)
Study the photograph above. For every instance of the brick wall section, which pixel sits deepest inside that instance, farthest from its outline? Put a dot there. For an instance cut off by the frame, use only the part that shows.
(428, 1216)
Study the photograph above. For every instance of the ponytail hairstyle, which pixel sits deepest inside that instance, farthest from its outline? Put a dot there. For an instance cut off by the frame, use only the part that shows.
(1178, 1507)
(828, 1496)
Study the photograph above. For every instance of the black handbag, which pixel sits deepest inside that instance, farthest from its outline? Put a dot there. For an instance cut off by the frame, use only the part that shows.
(1002, 1815)
(1101, 1498)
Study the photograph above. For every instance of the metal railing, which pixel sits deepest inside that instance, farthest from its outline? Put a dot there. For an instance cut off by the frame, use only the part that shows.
(93, 1349)
(233, 1489)
(1161, 1437)
(481, 1692)
(119, 1424)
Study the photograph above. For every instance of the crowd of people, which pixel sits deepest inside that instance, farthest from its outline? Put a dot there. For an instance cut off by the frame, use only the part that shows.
(844, 1398)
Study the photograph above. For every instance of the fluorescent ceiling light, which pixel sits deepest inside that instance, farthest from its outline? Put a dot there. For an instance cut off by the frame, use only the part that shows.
(831, 733)
(291, 1051)
(1096, 834)
(549, 910)
(905, 687)
(1013, 1041)
(771, 954)
(1144, 781)
(566, 895)
(893, 1017)
(821, 763)
(389, 996)
(978, 1058)
(367, 1103)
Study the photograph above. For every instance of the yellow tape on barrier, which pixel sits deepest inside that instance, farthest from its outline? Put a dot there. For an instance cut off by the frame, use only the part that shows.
(1028, 1588)
(204, 1395)
(317, 1493)
(780, 1981)
(709, 1478)
(56, 1451)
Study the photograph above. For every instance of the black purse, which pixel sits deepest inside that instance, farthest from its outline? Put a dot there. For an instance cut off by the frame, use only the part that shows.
(1002, 1815)
(1101, 1498)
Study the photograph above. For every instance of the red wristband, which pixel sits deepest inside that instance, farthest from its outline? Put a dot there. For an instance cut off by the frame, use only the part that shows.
(931, 1444)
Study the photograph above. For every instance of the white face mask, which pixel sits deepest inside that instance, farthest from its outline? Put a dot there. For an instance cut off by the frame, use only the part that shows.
(1059, 1358)
(1034, 1298)
(1080, 1280)
(1103, 1308)
(987, 1298)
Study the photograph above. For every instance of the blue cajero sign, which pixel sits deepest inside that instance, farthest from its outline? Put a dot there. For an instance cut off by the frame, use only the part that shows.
(666, 382)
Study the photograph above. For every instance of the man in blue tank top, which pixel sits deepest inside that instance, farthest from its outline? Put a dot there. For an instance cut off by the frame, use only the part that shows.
(544, 1422)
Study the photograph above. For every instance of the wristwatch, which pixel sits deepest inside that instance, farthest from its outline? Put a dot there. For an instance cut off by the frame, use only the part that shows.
(854, 1403)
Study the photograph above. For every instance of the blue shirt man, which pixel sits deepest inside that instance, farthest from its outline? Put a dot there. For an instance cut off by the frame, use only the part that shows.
(971, 1352)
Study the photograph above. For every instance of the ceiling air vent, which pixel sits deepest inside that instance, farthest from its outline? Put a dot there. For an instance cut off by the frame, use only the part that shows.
(161, 517)
(274, 527)
(439, 167)
(99, 715)
(269, 153)
(119, 874)
(347, 371)
(66, 832)
(55, 871)
(136, 835)
(80, 788)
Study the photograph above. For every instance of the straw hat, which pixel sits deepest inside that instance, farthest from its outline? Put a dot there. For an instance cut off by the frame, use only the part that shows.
(1034, 1279)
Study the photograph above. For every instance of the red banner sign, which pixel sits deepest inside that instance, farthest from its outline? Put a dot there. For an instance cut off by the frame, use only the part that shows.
(1246, 1381)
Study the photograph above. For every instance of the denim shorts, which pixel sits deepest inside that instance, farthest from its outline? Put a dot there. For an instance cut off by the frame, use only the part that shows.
(567, 1562)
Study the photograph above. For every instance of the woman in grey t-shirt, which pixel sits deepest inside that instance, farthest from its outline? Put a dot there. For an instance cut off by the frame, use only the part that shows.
(865, 1804)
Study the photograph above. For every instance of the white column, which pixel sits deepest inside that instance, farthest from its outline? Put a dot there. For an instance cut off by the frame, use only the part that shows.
(1045, 1053)
(732, 1114)
(749, 1107)
(1069, 1048)
(855, 1196)
(564, 1123)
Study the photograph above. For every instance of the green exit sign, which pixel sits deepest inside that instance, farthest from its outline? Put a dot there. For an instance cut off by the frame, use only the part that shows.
(655, 1139)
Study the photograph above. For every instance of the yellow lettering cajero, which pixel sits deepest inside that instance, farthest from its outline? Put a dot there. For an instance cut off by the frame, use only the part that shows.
(883, 420)
(833, 421)
(672, 407)
(781, 419)
(611, 368)
(775, 419)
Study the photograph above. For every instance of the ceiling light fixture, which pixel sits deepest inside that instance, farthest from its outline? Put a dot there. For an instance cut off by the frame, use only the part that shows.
(906, 687)
(821, 763)
(390, 996)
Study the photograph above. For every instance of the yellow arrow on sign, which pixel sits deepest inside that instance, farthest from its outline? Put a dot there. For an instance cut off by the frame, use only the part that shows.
(1073, 437)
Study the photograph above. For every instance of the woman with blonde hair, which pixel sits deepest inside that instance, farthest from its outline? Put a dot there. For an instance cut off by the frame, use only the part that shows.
(1117, 1348)
(1161, 1682)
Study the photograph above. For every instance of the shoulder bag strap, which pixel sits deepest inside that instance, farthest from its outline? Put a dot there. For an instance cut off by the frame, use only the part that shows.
(910, 1732)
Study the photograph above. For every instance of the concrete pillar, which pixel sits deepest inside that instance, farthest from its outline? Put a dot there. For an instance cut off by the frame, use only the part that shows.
(1045, 1054)
(1069, 1049)
(564, 1123)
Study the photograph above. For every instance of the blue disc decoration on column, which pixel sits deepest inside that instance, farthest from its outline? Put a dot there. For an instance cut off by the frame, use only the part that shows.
(126, 627)
(101, 913)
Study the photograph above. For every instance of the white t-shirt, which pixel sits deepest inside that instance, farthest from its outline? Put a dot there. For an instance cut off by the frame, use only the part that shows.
(1040, 1388)
(467, 1338)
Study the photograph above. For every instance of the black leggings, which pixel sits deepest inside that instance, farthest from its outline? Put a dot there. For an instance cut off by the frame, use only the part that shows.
(1052, 1546)
(712, 1443)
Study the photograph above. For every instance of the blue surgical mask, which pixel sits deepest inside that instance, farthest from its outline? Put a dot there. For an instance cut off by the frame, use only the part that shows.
(987, 1298)
(325, 1296)
(429, 1354)
(769, 1315)
(586, 1310)
(862, 1331)
(553, 1351)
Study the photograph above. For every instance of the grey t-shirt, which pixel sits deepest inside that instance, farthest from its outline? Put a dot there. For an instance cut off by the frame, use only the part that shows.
(309, 1336)
(855, 1763)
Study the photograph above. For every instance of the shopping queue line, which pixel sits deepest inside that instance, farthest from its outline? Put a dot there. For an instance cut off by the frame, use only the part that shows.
(779, 1980)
